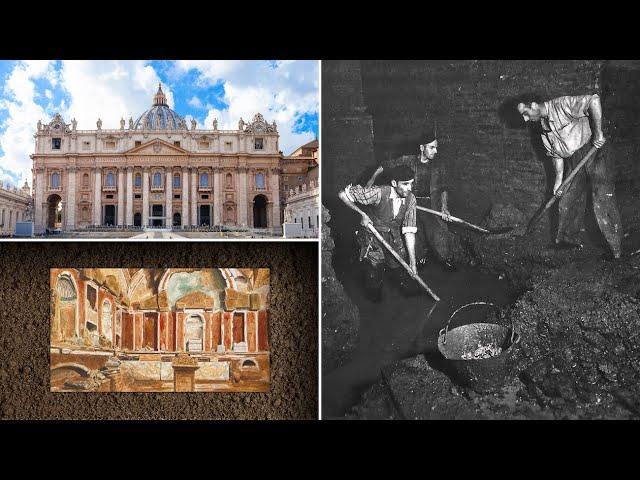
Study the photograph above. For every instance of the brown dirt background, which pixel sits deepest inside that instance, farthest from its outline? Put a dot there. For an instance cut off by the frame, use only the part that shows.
(24, 331)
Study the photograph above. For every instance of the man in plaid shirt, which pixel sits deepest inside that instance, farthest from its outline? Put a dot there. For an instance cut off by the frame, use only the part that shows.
(393, 214)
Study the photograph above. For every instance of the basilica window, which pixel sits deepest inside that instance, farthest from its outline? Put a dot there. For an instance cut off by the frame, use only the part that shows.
(260, 181)
(228, 146)
(110, 181)
(85, 214)
(85, 180)
(177, 144)
(86, 145)
(110, 145)
(138, 143)
(176, 180)
(204, 179)
(55, 180)
(229, 180)
(56, 143)
(157, 179)
(258, 144)
(203, 145)
(138, 180)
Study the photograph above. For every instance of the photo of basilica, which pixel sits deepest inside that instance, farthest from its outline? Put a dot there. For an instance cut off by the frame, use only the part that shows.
(169, 329)
(158, 173)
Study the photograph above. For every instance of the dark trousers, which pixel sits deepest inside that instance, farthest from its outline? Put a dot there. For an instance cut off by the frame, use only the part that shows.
(600, 170)
(433, 236)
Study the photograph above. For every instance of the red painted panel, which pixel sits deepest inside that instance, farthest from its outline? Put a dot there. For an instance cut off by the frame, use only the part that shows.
(263, 343)
(163, 330)
(226, 316)
(207, 329)
(238, 327)
(251, 331)
(216, 329)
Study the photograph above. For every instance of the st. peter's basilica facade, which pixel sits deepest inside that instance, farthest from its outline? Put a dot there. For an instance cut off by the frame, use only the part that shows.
(157, 172)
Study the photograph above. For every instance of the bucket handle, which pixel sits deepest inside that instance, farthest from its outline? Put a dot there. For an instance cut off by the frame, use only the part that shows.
(446, 329)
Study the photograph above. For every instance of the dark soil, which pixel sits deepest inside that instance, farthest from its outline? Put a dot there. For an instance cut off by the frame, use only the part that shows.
(24, 331)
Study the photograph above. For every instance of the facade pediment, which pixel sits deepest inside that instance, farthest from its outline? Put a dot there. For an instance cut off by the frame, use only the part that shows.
(157, 147)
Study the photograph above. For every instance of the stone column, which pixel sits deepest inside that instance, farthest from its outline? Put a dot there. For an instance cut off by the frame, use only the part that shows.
(217, 196)
(275, 200)
(120, 197)
(185, 196)
(39, 221)
(145, 197)
(194, 196)
(129, 196)
(242, 197)
(168, 197)
(97, 198)
(70, 207)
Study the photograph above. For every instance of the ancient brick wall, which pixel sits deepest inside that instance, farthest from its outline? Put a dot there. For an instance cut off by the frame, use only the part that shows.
(490, 160)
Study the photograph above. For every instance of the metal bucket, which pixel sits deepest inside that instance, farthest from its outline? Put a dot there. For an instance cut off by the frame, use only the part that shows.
(481, 374)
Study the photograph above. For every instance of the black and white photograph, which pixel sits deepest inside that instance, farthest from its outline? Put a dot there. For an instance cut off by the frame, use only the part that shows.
(480, 239)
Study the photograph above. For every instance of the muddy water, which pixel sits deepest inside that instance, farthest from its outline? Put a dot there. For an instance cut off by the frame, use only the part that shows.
(400, 326)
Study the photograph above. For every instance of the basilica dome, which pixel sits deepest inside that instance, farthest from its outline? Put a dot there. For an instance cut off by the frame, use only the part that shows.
(160, 116)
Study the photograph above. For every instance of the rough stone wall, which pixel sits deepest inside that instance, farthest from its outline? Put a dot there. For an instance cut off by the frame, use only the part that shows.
(340, 317)
(492, 162)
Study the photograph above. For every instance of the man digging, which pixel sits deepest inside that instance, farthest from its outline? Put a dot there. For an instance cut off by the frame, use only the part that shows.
(570, 126)
(392, 213)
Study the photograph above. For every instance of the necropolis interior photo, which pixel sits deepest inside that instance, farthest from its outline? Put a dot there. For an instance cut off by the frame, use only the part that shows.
(524, 193)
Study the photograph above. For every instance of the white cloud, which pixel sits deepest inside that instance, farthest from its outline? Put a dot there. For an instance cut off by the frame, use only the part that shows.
(195, 102)
(280, 94)
(23, 114)
(109, 90)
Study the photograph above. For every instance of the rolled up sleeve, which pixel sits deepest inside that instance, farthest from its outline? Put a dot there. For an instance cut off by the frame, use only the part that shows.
(363, 195)
(577, 106)
(409, 222)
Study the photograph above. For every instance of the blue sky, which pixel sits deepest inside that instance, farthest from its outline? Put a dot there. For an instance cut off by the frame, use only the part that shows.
(284, 91)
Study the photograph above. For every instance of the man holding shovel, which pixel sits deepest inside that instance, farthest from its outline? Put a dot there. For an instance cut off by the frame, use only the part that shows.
(431, 188)
(571, 125)
(393, 214)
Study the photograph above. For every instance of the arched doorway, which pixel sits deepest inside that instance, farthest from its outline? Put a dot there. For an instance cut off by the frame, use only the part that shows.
(137, 219)
(177, 219)
(157, 212)
(67, 304)
(205, 215)
(193, 333)
(54, 209)
(109, 215)
(260, 211)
